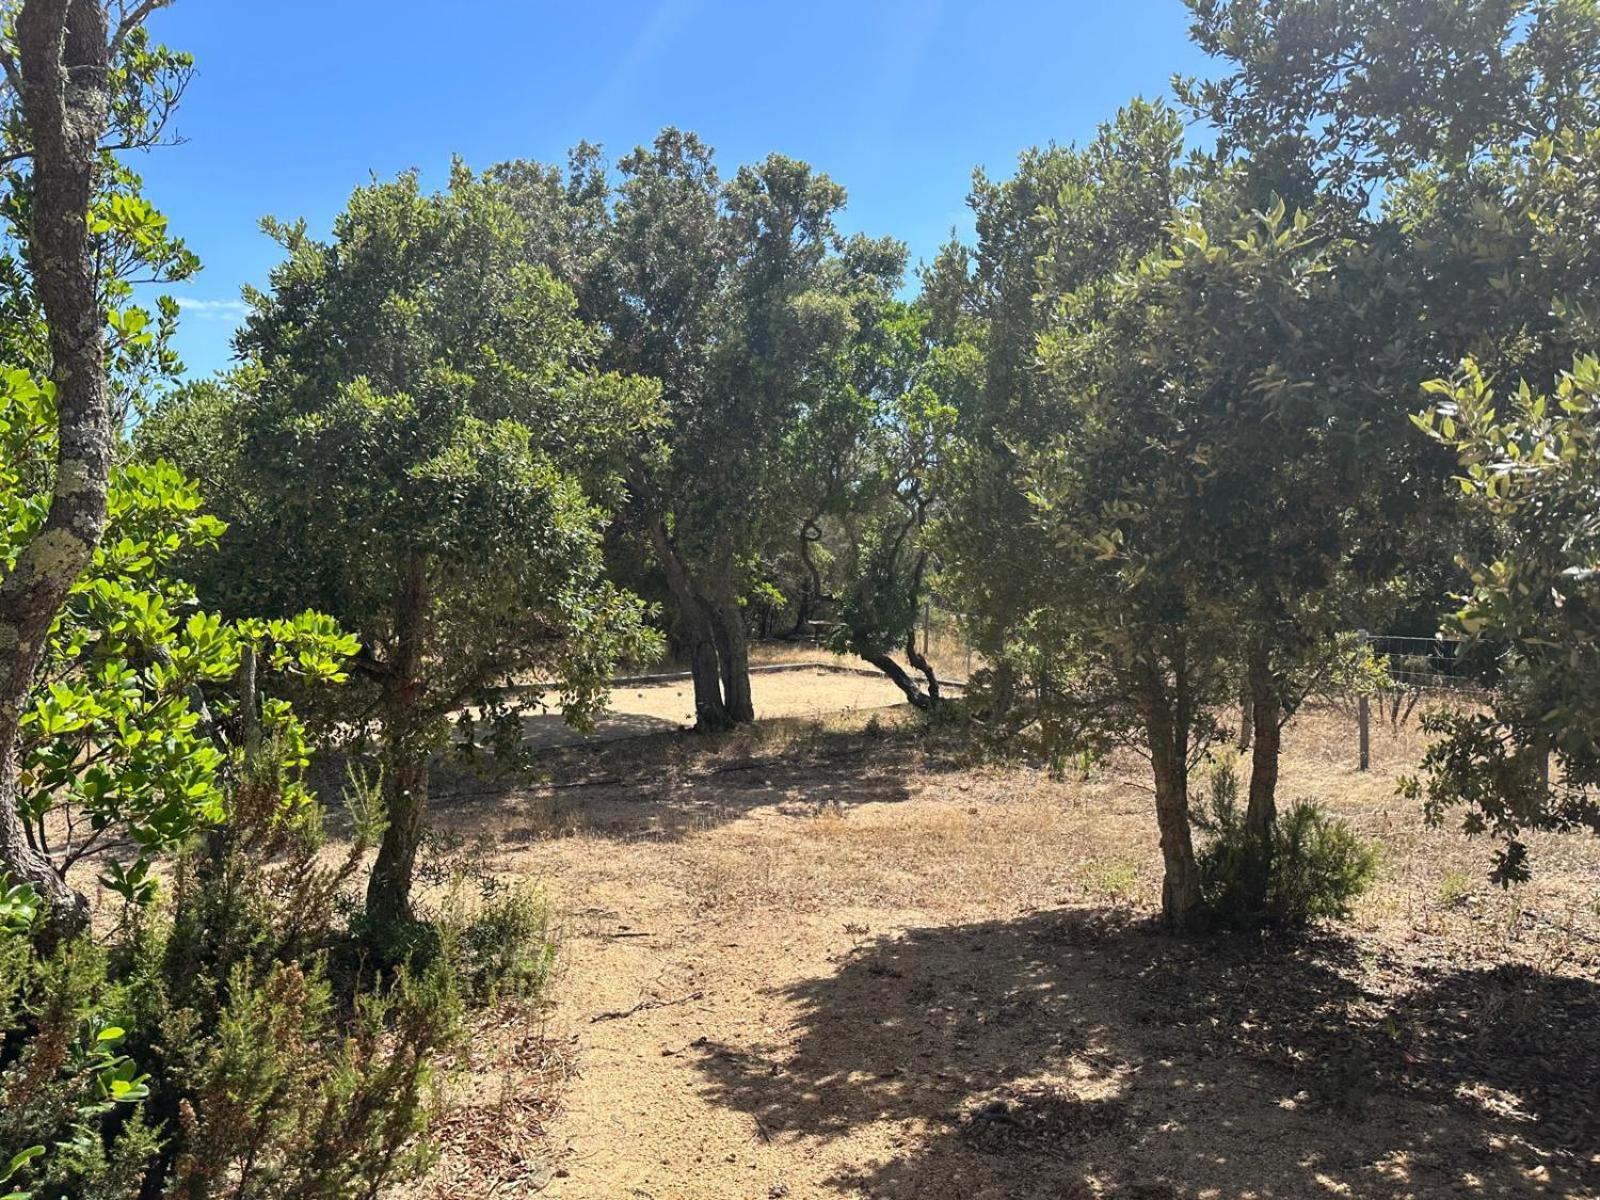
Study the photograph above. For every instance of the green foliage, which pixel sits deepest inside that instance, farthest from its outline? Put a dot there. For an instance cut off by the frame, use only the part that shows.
(420, 390)
(131, 239)
(907, 389)
(231, 1049)
(426, 450)
(744, 299)
(281, 1070)
(70, 1099)
(1069, 215)
(1318, 865)
(1337, 95)
(1528, 465)
(504, 948)
(122, 735)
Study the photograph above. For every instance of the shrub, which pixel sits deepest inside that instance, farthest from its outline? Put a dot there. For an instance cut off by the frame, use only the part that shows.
(231, 1045)
(504, 949)
(70, 1120)
(286, 1096)
(1318, 864)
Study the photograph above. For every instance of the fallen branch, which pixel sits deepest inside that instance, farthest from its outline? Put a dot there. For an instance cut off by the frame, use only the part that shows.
(621, 1014)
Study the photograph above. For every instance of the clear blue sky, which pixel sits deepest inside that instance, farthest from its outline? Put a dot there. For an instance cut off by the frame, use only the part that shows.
(295, 102)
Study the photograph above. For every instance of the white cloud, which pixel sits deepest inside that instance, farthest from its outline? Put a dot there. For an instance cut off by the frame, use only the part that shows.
(222, 310)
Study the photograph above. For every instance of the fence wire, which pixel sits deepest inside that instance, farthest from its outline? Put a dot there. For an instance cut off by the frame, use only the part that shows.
(1422, 664)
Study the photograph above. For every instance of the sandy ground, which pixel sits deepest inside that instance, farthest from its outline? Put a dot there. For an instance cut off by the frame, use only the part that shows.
(812, 960)
(666, 707)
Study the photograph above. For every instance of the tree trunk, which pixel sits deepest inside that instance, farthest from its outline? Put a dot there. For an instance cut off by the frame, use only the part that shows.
(405, 798)
(64, 58)
(897, 675)
(697, 633)
(733, 648)
(1166, 720)
(249, 706)
(811, 586)
(405, 781)
(1004, 691)
(1262, 812)
(913, 656)
(710, 711)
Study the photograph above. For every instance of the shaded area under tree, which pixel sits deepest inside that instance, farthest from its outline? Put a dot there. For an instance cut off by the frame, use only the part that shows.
(1078, 1053)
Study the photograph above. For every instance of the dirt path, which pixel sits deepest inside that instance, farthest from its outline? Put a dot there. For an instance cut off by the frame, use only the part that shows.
(809, 962)
(659, 1016)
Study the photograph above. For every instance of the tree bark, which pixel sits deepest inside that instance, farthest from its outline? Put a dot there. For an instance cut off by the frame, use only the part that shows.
(915, 658)
(249, 706)
(897, 675)
(405, 781)
(64, 58)
(1167, 728)
(811, 586)
(733, 651)
(697, 633)
(913, 655)
(1261, 814)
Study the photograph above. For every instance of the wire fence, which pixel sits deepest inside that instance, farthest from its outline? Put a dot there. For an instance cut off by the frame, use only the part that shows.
(1422, 664)
(1411, 670)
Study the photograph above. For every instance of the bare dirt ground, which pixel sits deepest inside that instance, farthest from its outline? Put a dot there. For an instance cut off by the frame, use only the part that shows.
(823, 959)
(669, 707)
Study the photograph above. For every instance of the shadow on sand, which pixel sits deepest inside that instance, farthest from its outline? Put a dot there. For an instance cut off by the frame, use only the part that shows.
(1077, 1053)
(664, 786)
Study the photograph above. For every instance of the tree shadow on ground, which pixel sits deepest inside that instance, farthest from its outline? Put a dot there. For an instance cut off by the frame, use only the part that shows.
(548, 730)
(667, 786)
(1077, 1053)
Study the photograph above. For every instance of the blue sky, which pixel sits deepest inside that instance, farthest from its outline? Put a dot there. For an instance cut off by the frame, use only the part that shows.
(298, 101)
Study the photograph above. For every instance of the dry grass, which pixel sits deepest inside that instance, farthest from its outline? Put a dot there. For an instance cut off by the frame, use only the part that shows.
(857, 961)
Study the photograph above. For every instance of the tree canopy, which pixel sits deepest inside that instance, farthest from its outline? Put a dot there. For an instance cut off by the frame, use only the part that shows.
(421, 445)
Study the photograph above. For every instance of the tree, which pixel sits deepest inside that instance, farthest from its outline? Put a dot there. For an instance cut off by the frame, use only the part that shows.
(82, 81)
(426, 451)
(881, 448)
(740, 296)
(1529, 462)
(1334, 98)
(1473, 194)
(1090, 211)
(1213, 452)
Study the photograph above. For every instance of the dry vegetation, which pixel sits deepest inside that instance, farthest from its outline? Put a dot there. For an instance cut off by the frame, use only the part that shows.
(843, 957)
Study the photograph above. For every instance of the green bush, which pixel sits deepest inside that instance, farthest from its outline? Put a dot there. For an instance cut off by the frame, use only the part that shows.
(505, 948)
(231, 1044)
(1317, 864)
(70, 1100)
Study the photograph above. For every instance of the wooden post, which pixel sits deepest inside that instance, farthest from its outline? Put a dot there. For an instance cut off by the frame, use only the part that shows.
(1364, 715)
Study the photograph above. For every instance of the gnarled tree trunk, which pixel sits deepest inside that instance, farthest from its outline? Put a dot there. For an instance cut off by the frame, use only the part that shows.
(811, 586)
(698, 630)
(917, 698)
(64, 58)
(913, 655)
